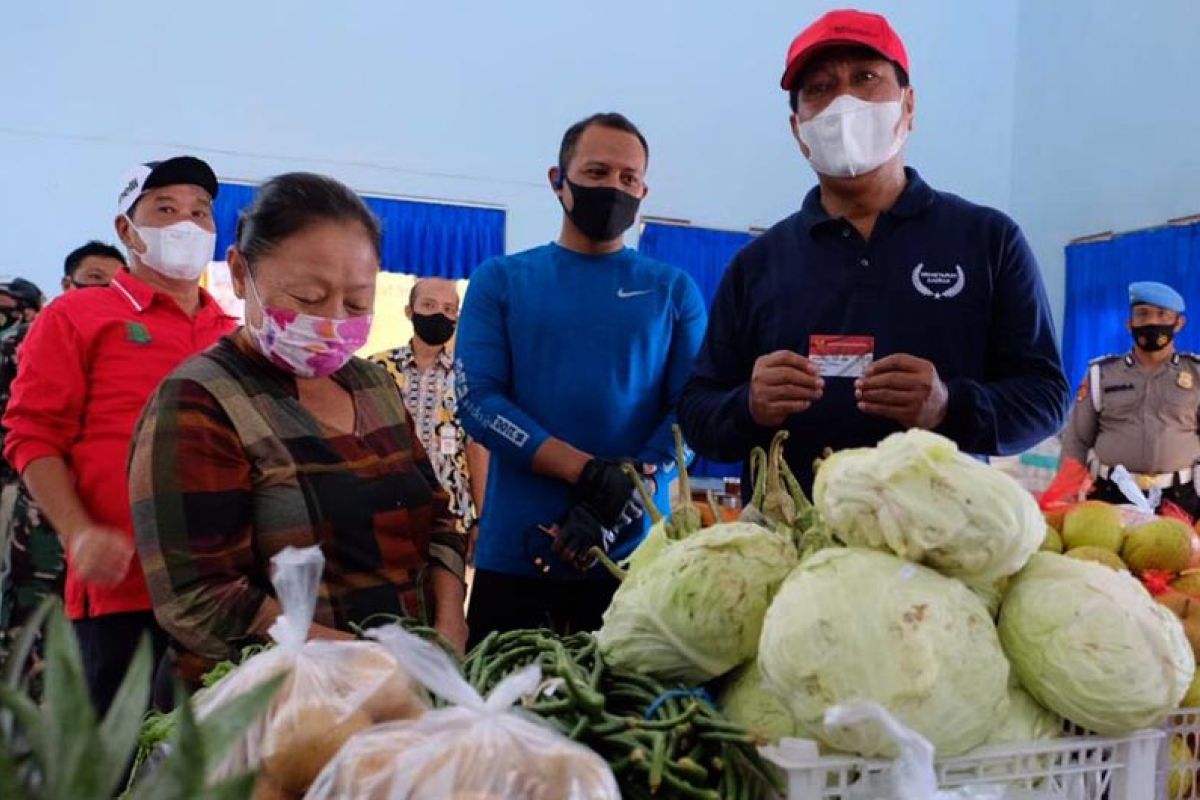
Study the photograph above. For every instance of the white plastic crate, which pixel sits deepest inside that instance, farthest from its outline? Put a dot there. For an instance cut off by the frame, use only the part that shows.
(1074, 768)
(1183, 725)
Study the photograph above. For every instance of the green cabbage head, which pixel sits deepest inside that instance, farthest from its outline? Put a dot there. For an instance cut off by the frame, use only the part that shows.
(748, 702)
(1026, 720)
(694, 611)
(856, 624)
(915, 495)
(1091, 644)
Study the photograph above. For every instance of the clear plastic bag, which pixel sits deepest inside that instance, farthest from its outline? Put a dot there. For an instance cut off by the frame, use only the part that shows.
(473, 749)
(912, 776)
(333, 690)
(1141, 505)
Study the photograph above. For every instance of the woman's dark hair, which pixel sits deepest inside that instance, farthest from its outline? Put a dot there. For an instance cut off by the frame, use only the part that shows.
(288, 204)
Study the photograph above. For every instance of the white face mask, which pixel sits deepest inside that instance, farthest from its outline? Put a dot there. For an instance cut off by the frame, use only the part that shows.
(852, 137)
(179, 251)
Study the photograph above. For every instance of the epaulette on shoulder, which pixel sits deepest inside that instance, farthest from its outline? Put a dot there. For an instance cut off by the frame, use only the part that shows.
(1105, 359)
(1195, 357)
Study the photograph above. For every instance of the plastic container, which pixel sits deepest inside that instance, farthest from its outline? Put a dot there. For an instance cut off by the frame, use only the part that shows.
(1074, 768)
(1179, 757)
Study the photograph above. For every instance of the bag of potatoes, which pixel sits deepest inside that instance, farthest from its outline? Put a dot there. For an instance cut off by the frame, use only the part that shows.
(472, 749)
(333, 689)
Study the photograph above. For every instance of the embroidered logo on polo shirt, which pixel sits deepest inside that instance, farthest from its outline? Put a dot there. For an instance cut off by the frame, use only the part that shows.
(938, 285)
(137, 333)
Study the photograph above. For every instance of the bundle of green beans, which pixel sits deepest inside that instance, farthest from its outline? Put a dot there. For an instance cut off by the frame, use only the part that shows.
(662, 742)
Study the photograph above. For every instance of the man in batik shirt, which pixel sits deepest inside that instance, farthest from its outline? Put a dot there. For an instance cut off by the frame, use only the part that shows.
(424, 372)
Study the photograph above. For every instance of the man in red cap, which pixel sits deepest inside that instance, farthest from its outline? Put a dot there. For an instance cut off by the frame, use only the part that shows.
(882, 304)
(89, 364)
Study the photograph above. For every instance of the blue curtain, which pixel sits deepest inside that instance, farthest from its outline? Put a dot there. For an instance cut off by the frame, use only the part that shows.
(423, 239)
(702, 253)
(434, 240)
(231, 199)
(1097, 289)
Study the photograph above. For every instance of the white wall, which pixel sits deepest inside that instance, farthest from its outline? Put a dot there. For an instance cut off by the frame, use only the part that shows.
(456, 100)
(1107, 119)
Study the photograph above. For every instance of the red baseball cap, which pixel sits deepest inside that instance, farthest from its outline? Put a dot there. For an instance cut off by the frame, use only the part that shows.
(843, 27)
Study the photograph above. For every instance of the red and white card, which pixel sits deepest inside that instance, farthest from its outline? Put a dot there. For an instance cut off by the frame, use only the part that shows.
(838, 356)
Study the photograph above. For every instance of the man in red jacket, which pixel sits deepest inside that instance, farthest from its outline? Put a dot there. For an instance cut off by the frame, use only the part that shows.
(88, 365)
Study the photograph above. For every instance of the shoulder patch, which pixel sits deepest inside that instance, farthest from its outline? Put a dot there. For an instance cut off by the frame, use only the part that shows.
(1083, 392)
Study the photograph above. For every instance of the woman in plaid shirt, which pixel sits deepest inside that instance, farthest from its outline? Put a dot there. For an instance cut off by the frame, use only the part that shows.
(279, 436)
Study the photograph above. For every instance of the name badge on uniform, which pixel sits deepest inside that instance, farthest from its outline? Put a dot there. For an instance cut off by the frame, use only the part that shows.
(448, 440)
(841, 356)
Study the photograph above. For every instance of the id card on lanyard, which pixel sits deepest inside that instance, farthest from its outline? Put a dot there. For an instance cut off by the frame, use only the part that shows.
(447, 440)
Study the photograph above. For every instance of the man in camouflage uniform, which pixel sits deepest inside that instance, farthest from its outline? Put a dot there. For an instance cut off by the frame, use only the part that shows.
(31, 557)
(1140, 410)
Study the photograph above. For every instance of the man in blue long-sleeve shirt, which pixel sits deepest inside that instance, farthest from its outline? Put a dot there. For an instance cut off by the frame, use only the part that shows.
(572, 357)
(882, 304)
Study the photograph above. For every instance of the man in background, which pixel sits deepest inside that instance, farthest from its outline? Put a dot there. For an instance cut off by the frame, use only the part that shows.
(92, 264)
(30, 555)
(1139, 410)
(423, 371)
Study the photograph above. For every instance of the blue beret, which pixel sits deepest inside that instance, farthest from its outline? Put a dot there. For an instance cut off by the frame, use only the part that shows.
(1152, 293)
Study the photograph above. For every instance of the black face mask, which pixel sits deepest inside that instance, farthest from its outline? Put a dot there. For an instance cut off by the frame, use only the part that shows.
(1152, 338)
(602, 213)
(434, 329)
(11, 317)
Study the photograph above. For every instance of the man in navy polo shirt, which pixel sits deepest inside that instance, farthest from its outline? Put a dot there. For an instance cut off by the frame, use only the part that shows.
(882, 304)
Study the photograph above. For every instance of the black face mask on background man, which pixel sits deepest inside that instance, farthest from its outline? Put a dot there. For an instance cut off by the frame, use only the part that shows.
(1152, 338)
(602, 213)
(434, 329)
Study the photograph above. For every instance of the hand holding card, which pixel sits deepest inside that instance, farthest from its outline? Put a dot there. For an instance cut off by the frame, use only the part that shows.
(783, 383)
(903, 388)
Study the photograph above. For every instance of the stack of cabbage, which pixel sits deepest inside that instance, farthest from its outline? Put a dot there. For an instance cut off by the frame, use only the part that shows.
(890, 617)
(931, 547)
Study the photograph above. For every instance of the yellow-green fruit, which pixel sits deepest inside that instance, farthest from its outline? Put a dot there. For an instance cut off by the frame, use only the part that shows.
(1188, 582)
(1098, 554)
(1183, 770)
(1164, 544)
(1192, 698)
(1093, 524)
(1053, 542)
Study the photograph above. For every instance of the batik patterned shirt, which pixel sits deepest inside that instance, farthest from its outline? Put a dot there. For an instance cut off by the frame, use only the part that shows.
(431, 399)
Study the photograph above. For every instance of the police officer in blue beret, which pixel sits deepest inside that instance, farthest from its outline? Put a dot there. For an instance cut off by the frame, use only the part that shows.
(1139, 410)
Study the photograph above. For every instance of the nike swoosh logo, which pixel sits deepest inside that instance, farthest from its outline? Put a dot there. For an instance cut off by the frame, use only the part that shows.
(625, 295)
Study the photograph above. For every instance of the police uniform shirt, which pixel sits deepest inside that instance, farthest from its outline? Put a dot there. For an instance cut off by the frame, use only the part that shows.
(1145, 421)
